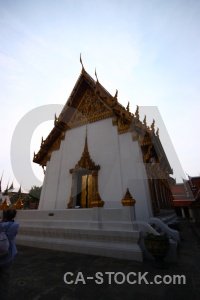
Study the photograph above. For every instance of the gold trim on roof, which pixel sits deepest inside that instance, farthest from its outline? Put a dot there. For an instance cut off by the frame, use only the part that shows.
(89, 102)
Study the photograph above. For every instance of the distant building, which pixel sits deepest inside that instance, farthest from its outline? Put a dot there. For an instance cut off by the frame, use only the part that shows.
(195, 206)
(184, 196)
(11, 194)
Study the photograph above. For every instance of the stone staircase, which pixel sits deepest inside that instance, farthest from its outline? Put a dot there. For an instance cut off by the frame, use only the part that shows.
(159, 227)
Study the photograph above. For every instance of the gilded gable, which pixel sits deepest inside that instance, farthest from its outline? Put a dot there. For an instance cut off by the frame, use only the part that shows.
(90, 109)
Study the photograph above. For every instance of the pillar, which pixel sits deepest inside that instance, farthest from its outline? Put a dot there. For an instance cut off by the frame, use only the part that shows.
(182, 212)
(96, 199)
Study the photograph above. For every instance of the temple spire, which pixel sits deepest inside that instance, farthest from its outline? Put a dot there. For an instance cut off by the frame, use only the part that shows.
(145, 121)
(1, 182)
(157, 132)
(6, 190)
(137, 112)
(128, 106)
(83, 69)
(153, 125)
(86, 162)
(96, 75)
(11, 186)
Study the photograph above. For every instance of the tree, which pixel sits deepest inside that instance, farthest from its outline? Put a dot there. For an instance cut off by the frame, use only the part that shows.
(35, 192)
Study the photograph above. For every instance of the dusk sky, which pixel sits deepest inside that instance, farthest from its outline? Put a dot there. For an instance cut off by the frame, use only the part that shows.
(147, 49)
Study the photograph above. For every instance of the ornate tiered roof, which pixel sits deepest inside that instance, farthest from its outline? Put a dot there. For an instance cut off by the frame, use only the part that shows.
(89, 102)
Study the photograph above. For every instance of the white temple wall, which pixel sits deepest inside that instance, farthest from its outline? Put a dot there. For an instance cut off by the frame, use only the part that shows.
(104, 151)
(134, 175)
(73, 146)
(50, 187)
(120, 161)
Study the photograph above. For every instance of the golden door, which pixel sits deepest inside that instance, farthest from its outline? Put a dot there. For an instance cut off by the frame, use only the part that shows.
(86, 191)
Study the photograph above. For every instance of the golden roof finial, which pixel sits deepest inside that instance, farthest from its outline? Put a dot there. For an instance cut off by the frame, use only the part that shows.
(11, 186)
(44, 171)
(55, 119)
(96, 75)
(83, 69)
(145, 120)
(1, 176)
(153, 125)
(6, 190)
(157, 132)
(137, 112)
(128, 106)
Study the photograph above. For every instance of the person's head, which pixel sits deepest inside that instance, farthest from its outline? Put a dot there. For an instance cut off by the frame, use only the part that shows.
(9, 214)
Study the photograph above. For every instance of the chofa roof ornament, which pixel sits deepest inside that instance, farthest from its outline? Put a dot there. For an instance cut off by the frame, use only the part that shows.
(83, 69)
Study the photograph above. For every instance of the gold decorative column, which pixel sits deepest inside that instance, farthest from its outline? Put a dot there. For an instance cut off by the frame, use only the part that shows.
(96, 199)
(128, 199)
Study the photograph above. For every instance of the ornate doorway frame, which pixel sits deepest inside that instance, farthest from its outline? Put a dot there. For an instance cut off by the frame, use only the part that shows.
(85, 166)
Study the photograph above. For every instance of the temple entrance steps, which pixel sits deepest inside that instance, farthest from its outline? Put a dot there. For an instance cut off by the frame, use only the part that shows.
(89, 231)
(161, 227)
(95, 231)
(107, 243)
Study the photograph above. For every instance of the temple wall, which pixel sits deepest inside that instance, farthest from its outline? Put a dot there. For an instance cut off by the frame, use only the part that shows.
(121, 165)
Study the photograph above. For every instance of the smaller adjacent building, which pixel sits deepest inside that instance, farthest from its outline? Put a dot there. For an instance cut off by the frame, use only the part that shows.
(12, 196)
(195, 205)
(185, 195)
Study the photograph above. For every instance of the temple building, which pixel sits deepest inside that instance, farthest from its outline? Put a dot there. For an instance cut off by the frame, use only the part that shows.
(107, 179)
(97, 149)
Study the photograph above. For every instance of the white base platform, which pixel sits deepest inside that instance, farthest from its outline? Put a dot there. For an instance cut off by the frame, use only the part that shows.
(95, 231)
(98, 232)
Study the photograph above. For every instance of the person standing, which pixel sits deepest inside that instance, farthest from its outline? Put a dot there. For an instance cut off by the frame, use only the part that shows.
(10, 227)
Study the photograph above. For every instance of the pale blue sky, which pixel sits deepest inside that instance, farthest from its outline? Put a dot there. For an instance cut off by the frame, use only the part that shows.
(148, 50)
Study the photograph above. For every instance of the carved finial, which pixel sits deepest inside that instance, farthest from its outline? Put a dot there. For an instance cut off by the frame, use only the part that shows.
(1, 177)
(55, 119)
(42, 141)
(128, 106)
(145, 120)
(157, 132)
(83, 70)
(96, 75)
(116, 94)
(137, 112)
(153, 125)
(44, 171)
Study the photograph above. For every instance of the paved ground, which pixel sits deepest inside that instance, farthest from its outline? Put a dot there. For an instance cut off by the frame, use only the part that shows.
(38, 274)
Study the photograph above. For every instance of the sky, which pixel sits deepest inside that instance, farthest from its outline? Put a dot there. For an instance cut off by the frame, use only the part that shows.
(149, 50)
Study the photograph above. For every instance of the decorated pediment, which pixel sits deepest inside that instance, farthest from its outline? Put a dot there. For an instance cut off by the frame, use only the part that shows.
(90, 109)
